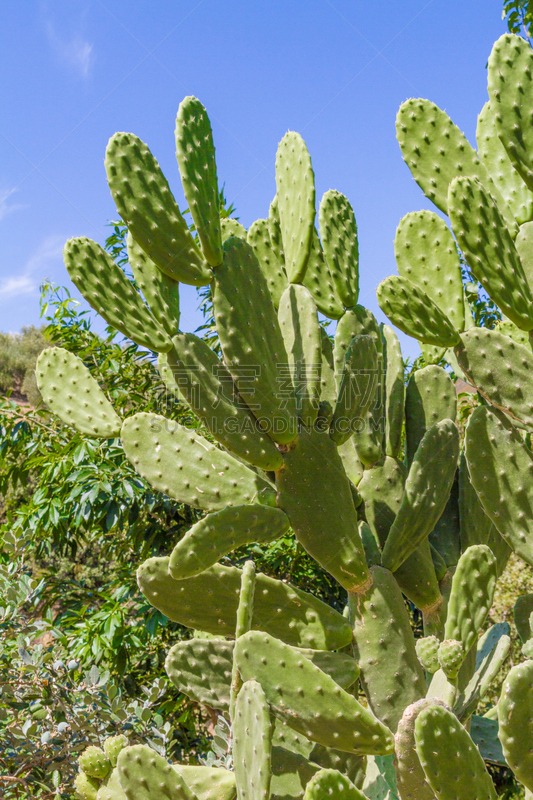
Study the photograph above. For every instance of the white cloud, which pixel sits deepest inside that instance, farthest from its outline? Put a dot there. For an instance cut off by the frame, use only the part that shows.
(75, 51)
(5, 206)
(15, 286)
(28, 278)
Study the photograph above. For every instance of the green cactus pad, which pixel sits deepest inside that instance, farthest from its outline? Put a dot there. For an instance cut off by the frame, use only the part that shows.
(208, 388)
(394, 392)
(243, 623)
(524, 246)
(274, 272)
(515, 717)
(195, 152)
(94, 762)
(201, 669)
(522, 610)
(350, 461)
(430, 397)
(232, 227)
(325, 523)
(391, 675)
(484, 733)
(274, 228)
(111, 294)
(320, 283)
(412, 784)
(145, 775)
(489, 249)
(474, 523)
(436, 151)
(86, 787)
(509, 329)
(295, 183)
(382, 489)
(185, 466)
(330, 782)
(111, 788)
(290, 774)
(427, 650)
(328, 386)
(357, 321)
(500, 369)
(493, 154)
(298, 320)
(145, 203)
(357, 389)
(498, 459)
(338, 231)
(252, 342)
(160, 292)
(222, 532)
(208, 783)
(509, 82)
(112, 747)
(445, 537)
(470, 600)
(427, 489)
(451, 656)
(414, 312)
(307, 699)
(441, 740)
(209, 603)
(252, 743)
(492, 650)
(426, 254)
(70, 391)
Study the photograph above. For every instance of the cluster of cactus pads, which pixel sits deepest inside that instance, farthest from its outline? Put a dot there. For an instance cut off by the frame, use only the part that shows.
(374, 478)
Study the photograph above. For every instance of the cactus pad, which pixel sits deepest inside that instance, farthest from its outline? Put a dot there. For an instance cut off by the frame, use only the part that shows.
(318, 280)
(71, 392)
(274, 272)
(222, 532)
(489, 248)
(515, 717)
(145, 203)
(209, 603)
(295, 184)
(299, 326)
(415, 313)
(338, 231)
(94, 762)
(252, 743)
(436, 151)
(441, 739)
(510, 89)
(498, 460)
(160, 292)
(331, 783)
(251, 341)
(427, 489)
(145, 775)
(111, 294)
(451, 656)
(160, 450)
(195, 152)
(307, 699)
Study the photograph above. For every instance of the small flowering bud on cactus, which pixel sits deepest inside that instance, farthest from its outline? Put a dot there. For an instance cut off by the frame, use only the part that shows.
(113, 746)
(427, 651)
(451, 655)
(86, 787)
(94, 762)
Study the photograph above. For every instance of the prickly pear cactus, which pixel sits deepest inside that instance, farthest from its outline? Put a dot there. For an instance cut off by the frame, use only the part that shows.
(320, 436)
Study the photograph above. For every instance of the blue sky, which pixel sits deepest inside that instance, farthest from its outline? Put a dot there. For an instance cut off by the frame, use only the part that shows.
(76, 71)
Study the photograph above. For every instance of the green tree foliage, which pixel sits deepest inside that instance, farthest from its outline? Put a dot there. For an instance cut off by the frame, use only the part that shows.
(519, 17)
